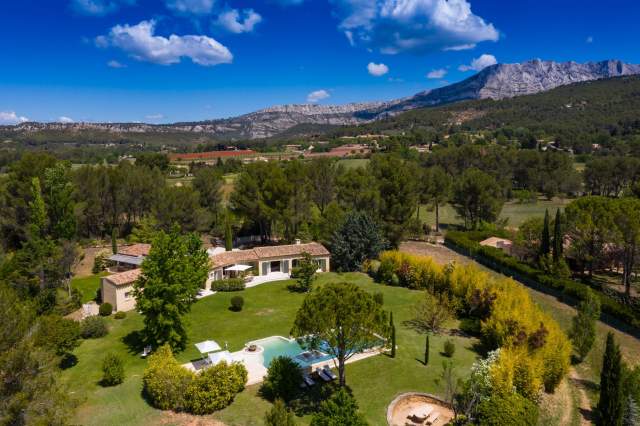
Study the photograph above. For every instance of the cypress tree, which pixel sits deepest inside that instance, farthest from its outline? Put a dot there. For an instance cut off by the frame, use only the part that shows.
(114, 241)
(610, 406)
(557, 237)
(393, 336)
(426, 351)
(545, 241)
(228, 236)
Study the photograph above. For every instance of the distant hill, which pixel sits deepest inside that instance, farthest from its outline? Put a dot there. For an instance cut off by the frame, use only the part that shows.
(609, 105)
(496, 82)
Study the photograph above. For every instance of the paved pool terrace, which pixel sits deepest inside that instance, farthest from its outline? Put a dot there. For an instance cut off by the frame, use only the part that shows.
(257, 361)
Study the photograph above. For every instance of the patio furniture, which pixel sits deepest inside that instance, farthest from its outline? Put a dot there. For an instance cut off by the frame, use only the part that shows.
(323, 375)
(433, 418)
(328, 372)
(308, 380)
(146, 351)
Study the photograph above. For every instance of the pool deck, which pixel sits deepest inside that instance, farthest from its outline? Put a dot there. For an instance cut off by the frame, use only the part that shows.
(257, 371)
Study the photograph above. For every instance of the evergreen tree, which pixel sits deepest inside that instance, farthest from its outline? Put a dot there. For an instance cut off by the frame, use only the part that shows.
(426, 350)
(279, 415)
(114, 240)
(357, 239)
(228, 235)
(341, 409)
(393, 335)
(610, 406)
(583, 326)
(545, 240)
(558, 238)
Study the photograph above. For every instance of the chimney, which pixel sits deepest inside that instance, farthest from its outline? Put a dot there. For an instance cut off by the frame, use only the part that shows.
(298, 242)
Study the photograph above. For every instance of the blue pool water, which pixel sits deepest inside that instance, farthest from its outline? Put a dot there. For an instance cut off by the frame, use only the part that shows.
(278, 346)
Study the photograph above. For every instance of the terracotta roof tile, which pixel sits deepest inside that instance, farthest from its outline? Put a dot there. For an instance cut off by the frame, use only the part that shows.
(233, 257)
(123, 278)
(314, 249)
(140, 249)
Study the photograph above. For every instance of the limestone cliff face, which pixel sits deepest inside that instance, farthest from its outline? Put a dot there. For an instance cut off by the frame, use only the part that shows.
(495, 82)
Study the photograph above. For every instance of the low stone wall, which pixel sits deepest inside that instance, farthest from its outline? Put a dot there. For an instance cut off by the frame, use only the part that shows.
(402, 403)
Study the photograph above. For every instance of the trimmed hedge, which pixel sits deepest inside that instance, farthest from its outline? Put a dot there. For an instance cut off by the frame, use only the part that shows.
(233, 284)
(496, 259)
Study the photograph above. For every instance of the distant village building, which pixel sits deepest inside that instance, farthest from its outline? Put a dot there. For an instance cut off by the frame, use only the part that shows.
(499, 243)
(212, 157)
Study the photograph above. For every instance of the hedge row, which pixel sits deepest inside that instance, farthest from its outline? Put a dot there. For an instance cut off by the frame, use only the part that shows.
(233, 284)
(500, 261)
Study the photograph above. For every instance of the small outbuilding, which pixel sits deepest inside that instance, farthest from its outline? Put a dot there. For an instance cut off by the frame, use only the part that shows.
(499, 243)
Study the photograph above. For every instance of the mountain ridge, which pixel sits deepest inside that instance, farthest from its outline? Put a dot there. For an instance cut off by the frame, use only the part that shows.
(497, 81)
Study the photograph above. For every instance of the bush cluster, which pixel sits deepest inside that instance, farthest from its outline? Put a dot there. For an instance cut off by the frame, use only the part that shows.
(406, 270)
(237, 302)
(120, 315)
(112, 370)
(467, 243)
(511, 409)
(93, 327)
(105, 309)
(535, 353)
(449, 348)
(169, 386)
(283, 379)
(233, 284)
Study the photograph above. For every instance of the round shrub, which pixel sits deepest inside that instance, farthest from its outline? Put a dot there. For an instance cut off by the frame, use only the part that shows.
(112, 370)
(120, 315)
(93, 327)
(214, 388)
(237, 302)
(512, 409)
(449, 348)
(105, 309)
(165, 381)
(283, 379)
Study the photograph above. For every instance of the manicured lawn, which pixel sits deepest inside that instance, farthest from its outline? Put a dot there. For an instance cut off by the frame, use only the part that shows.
(269, 310)
(514, 211)
(87, 286)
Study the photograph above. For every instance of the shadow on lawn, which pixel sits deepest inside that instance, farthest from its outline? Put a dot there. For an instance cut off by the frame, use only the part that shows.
(134, 342)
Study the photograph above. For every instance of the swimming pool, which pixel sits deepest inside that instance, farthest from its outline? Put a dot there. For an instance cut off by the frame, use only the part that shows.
(275, 346)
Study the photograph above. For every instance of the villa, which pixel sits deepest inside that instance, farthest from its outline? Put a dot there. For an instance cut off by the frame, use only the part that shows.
(257, 265)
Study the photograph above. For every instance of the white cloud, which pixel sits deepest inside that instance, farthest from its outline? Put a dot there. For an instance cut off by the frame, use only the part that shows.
(393, 26)
(10, 117)
(99, 7)
(154, 117)
(317, 96)
(479, 63)
(194, 7)
(141, 44)
(66, 120)
(377, 70)
(589, 39)
(115, 64)
(239, 22)
(436, 74)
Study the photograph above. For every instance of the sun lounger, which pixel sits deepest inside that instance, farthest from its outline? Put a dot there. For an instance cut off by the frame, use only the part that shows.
(308, 380)
(328, 372)
(433, 418)
(323, 375)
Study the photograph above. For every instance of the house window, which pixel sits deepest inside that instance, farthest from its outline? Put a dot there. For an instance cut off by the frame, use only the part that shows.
(275, 266)
(127, 295)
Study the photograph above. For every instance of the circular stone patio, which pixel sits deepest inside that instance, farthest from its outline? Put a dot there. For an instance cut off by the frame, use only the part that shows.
(404, 407)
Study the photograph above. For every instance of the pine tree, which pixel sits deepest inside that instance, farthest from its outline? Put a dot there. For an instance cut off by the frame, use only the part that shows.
(557, 238)
(610, 406)
(393, 336)
(545, 241)
(228, 234)
(426, 351)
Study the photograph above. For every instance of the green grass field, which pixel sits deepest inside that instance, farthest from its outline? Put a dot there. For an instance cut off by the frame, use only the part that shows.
(353, 163)
(87, 286)
(269, 310)
(515, 212)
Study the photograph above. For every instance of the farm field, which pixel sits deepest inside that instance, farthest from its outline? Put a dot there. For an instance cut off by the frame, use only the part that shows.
(269, 310)
(515, 212)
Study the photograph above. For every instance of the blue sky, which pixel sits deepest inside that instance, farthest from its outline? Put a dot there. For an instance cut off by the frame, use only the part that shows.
(180, 60)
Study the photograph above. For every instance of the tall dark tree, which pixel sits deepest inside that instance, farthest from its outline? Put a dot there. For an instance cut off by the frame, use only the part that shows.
(172, 274)
(359, 238)
(558, 237)
(627, 222)
(437, 189)
(610, 406)
(208, 182)
(477, 197)
(393, 335)
(545, 238)
(583, 325)
(322, 173)
(341, 409)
